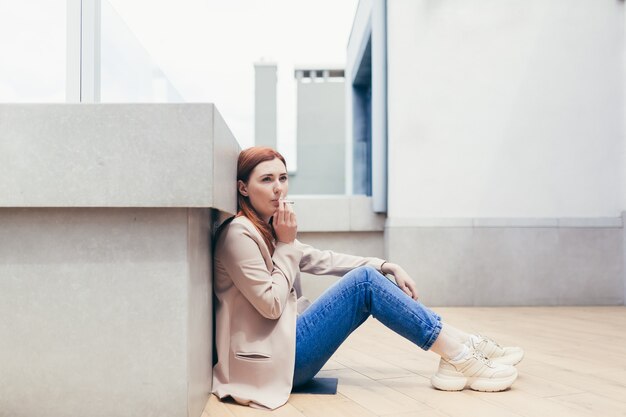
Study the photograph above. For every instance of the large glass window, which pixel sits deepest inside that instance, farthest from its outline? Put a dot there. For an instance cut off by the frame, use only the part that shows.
(32, 51)
(127, 71)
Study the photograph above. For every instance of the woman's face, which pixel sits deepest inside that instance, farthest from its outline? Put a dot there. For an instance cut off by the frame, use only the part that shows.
(265, 186)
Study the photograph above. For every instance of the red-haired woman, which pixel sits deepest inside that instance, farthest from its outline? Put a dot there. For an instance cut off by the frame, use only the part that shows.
(264, 347)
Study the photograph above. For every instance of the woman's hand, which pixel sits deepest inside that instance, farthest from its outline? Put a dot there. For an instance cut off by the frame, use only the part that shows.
(284, 222)
(404, 281)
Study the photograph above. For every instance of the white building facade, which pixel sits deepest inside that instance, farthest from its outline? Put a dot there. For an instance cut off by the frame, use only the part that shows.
(495, 132)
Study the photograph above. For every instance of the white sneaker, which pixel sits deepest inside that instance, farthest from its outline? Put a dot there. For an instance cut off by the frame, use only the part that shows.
(474, 371)
(494, 352)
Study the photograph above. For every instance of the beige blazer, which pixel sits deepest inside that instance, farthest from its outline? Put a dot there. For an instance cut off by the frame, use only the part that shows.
(256, 311)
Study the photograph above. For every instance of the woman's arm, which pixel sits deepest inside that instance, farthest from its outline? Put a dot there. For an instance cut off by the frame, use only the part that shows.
(242, 259)
(326, 262)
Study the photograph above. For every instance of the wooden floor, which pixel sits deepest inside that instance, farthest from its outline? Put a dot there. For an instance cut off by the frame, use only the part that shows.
(575, 365)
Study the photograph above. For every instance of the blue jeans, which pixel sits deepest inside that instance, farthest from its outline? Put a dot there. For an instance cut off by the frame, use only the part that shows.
(345, 306)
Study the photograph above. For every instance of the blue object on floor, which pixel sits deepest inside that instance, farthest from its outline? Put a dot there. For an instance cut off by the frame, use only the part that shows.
(317, 386)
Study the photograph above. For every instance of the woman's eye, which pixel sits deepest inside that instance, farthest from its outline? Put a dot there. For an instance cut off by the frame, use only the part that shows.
(267, 179)
(283, 179)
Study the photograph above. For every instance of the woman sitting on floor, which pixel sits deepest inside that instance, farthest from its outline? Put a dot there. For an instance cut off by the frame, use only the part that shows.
(265, 348)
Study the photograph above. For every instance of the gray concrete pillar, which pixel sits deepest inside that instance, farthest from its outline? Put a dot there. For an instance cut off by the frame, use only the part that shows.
(106, 217)
(265, 104)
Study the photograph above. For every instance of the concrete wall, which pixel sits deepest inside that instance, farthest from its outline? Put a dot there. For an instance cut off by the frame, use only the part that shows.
(506, 149)
(475, 262)
(511, 264)
(506, 108)
(320, 137)
(106, 216)
(105, 312)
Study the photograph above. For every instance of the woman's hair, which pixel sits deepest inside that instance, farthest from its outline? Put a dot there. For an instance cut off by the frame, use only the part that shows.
(248, 160)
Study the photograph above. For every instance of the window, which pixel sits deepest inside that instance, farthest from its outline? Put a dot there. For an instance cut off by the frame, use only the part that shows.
(362, 124)
(33, 44)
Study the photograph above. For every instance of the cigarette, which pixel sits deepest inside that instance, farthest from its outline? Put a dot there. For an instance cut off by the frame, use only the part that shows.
(289, 202)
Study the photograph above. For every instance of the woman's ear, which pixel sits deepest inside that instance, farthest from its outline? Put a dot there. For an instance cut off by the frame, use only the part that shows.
(243, 190)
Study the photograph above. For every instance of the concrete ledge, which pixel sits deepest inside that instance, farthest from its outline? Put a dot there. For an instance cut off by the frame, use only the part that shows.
(105, 312)
(608, 222)
(116, 155)
(594, 222)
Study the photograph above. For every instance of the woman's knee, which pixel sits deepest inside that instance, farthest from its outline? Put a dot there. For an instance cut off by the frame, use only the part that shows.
(368, 276)
(363, 274)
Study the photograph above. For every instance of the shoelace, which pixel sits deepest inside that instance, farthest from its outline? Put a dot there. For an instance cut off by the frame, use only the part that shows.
(490, 340)
(478, 354)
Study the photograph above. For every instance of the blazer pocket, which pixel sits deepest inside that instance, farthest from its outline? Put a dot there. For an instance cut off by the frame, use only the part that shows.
(253, 356)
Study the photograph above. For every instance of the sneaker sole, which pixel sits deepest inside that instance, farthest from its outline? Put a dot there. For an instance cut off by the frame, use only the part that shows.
(458, 383)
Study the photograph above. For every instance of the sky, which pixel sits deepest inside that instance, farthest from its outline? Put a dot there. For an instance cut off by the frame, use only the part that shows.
(206, 48)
